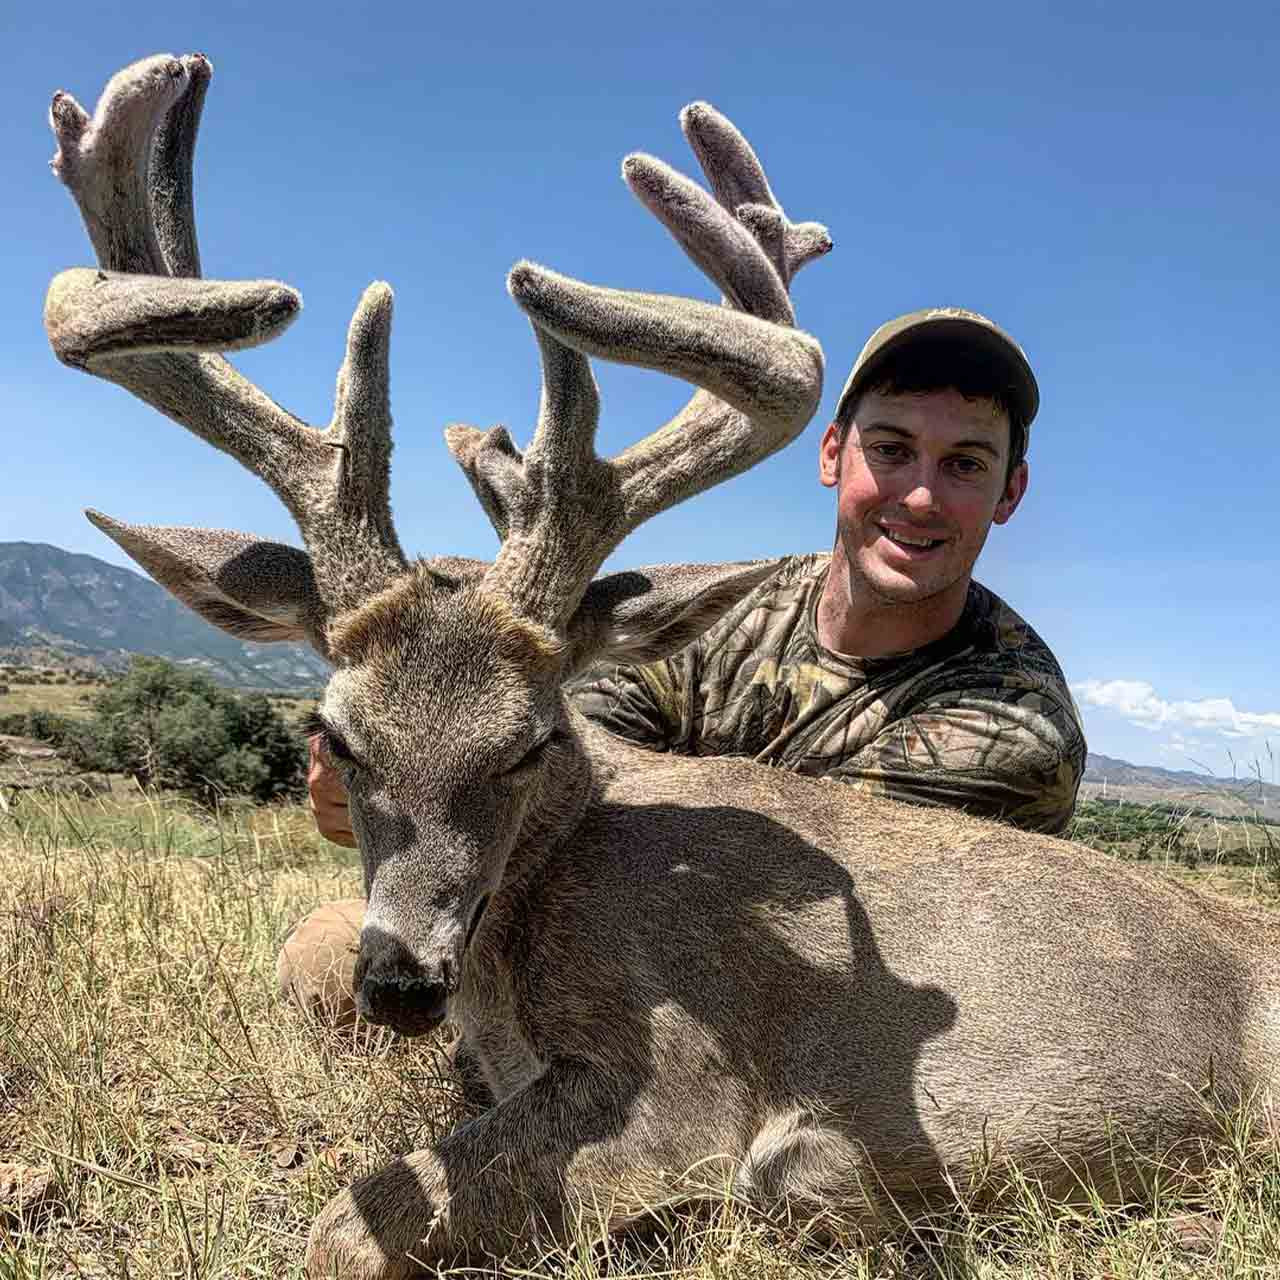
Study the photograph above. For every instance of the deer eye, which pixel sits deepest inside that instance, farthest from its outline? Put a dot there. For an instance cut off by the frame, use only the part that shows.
(333, 742)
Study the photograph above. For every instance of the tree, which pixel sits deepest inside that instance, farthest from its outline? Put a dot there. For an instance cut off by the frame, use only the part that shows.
(176, 728)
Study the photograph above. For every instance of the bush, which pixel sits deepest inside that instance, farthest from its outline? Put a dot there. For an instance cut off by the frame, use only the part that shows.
(173, 728)
(46, 726)
(1133, 830)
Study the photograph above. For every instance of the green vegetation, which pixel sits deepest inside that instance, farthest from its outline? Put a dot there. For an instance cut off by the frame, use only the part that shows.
(1178, 834)
(177, 729)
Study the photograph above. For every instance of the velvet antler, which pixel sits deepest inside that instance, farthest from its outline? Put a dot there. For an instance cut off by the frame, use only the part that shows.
(147, 322)
(560, 509)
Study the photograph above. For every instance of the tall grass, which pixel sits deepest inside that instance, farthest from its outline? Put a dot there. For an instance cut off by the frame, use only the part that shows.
(194, 1127)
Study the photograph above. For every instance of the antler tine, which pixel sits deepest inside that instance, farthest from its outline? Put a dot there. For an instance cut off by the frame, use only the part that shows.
(725, 249)
(147, 322)
(739, 183)
(169, 177)
(759, 379)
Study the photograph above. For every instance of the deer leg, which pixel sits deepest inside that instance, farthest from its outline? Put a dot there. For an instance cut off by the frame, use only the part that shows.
(573, 1155)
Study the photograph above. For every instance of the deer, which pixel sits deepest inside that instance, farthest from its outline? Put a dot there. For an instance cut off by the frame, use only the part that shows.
(681, 977)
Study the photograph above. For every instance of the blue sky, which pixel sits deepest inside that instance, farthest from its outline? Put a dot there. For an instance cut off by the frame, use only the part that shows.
(1100, 179)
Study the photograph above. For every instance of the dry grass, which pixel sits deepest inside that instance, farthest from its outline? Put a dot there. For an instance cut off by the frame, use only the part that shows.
(195, 1128)
(63, 699)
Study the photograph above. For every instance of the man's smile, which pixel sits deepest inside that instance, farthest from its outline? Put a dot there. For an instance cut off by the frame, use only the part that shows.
(911, 542)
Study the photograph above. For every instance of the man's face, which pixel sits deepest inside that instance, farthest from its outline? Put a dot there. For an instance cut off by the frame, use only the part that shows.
(920, 479)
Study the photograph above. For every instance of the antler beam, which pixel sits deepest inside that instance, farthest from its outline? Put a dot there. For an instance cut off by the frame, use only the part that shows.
(560, 509)
(147, 322)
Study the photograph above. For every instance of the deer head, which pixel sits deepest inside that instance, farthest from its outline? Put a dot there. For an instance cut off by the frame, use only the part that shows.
(445, 709)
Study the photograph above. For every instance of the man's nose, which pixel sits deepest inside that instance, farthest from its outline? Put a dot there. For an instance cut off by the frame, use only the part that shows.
(921, 495)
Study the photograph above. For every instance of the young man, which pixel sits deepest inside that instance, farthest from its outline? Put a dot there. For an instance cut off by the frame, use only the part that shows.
(882, 665)
(885, 665)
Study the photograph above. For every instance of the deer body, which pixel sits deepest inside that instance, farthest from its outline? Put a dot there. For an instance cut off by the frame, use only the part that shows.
(719, 976)
(724, 976)
(680, 976)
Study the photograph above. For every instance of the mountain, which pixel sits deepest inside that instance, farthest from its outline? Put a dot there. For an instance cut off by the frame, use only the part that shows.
(58, 607)
(1107, 778)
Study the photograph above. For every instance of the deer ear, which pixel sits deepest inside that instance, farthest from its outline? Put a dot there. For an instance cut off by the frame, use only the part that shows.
(646, 614)
(254, 589)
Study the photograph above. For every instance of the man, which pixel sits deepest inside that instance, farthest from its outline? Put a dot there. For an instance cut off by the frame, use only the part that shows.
(883, 665)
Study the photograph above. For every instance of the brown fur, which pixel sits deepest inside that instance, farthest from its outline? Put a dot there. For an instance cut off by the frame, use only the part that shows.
(377, 625)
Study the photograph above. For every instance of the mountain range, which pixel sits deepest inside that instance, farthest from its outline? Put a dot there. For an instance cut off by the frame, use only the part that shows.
(1106, 778)
(58, 607)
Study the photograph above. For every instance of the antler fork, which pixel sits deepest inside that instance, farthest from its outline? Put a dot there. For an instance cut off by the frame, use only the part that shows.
(559, 509)
(147, 322)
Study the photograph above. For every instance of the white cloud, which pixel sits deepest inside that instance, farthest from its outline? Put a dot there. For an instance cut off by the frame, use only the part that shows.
(1138, 702)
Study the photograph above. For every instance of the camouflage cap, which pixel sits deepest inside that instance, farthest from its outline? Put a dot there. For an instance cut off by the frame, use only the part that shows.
(966, 328)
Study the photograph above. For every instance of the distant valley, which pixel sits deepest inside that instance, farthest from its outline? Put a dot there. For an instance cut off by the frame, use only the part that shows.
(1108, 779)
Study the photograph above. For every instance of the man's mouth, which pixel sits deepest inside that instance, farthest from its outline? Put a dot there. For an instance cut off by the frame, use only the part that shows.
(914, 543)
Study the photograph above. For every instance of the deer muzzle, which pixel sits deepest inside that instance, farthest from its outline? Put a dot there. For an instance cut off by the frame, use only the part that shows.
(398, 989)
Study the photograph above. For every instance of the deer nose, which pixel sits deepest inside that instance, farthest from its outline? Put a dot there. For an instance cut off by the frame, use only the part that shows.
(394, 988)
(407, 1004)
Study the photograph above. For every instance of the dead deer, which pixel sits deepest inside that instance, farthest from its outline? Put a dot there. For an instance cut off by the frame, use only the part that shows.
(680, 976)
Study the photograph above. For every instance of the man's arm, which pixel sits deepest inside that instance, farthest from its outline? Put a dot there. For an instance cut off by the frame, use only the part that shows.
(1002, 753)
(643, 703)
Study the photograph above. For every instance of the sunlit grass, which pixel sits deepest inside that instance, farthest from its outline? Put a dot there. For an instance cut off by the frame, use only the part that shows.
(195, 1127)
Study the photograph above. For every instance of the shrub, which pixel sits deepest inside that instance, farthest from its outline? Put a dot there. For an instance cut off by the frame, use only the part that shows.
(46, 726)
(1133, 830)
(174, 728)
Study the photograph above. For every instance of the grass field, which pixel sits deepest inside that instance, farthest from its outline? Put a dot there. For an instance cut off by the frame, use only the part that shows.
(72, 699)
(63, 699)
(193, 1127)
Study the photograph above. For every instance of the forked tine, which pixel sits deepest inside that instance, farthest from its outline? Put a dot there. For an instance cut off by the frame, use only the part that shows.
(105, 160)
(739, 184)
(149, 323)
(771, 375)
(759, 380)
(725, 250)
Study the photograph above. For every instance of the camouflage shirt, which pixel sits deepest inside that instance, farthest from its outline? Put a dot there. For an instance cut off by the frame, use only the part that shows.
(980, 720)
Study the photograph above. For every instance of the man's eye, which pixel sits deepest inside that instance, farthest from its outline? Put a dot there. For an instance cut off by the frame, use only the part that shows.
(967, 466)
(889, 452)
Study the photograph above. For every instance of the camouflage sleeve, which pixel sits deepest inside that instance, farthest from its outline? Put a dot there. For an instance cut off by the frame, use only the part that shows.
(1016, 755)
(643, 704)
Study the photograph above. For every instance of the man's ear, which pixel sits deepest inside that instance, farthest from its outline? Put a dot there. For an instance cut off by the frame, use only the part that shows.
(254, 589)
(829, 456)
(1013, 492)
(646, 614)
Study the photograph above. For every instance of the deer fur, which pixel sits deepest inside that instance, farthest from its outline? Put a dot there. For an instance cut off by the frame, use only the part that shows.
(679, 977)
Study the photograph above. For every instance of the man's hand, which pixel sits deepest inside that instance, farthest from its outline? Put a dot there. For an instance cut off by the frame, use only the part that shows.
(328, 797)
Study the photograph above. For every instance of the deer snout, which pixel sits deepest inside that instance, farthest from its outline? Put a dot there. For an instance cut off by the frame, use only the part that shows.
(400, 989)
